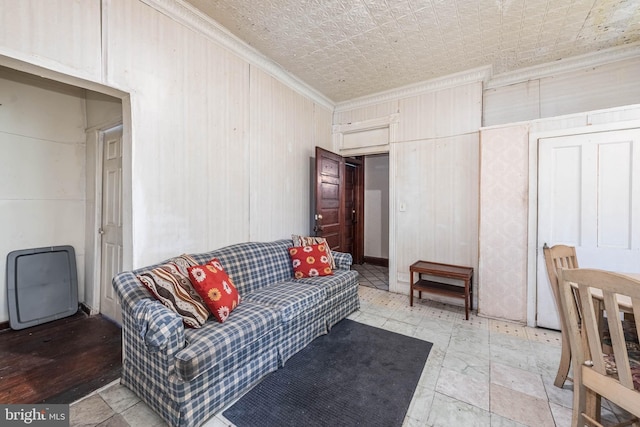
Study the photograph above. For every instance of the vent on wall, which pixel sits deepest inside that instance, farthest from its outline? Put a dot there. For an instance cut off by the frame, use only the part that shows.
(42, 285)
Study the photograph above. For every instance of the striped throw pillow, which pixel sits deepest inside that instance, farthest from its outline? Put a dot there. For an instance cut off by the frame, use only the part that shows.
(169, 285)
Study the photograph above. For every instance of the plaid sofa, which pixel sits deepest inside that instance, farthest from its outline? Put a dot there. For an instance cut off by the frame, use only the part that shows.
(187, 375)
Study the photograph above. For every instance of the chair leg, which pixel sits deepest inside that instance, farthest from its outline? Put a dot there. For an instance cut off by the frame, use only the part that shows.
(593, 406)
(579, 399)
(565, 362)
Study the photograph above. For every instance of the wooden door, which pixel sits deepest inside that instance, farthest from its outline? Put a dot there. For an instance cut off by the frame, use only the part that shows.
(111, 227)
(588, 197)
(330, 181)
(339, 202)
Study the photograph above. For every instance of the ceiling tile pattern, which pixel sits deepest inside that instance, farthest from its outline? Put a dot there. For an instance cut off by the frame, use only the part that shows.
(346, 49)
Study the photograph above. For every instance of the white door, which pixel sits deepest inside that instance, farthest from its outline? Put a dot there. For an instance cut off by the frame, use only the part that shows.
(111, 228)
(588, 197)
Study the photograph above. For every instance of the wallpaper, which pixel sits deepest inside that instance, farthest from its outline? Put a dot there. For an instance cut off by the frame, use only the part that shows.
(502, 272)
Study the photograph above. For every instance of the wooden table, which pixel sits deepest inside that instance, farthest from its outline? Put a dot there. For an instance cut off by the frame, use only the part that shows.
(449, 271)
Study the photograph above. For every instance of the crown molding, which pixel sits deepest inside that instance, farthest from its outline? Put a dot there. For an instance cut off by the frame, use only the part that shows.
(452, 80)
(574, 63)
(192, 18)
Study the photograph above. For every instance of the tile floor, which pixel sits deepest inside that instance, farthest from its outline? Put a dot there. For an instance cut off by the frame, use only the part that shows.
(373, 276)
(480, 372)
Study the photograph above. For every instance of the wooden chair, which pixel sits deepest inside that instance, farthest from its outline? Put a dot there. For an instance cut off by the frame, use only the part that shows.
(556, 257)
(616, 377)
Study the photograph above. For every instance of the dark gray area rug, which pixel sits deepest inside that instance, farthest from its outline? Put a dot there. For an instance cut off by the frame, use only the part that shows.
(356, 375)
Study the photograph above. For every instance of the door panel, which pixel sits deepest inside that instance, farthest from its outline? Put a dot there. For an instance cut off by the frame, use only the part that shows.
(111, 228)
(339, 209)
(588, 197)
(329, 197)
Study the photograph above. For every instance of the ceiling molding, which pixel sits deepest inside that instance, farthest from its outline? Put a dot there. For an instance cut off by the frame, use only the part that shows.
(566, 65)
(196, 20)
(452, 80)
(189, 16)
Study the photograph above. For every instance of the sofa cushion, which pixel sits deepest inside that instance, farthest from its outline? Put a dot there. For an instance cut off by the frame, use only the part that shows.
(310, 261)
(335, 284)
(253, 265)
(214, 342)
(312, 240)
(216, 288)
(169, 285)
(289, 299)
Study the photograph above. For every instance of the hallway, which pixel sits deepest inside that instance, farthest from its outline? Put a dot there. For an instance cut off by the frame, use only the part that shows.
(373, 276)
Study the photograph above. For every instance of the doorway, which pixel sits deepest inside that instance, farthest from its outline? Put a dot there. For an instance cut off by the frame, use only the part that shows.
(352, 211)
(374, 270)
(376, 209)
(339, 202)
(57, 147)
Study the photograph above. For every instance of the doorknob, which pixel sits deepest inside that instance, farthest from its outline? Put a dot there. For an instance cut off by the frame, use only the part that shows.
(100, 230)
(318, 217)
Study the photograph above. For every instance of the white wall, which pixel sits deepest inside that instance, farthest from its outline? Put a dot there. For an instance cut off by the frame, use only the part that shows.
(572, 91)
(42, 169)
(217, 150)
(434, 163)
(215, 154)
(508, 208)
(285, 128)
(376, 206)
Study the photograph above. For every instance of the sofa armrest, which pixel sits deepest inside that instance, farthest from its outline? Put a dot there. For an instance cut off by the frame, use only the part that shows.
(343, 260)
(129, 290)
(158, 327)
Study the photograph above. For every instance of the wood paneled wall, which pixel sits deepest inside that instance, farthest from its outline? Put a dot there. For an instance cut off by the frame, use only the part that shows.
(199, 176)
(588, 89)
(58, 34)
(190, 119)
(434, 162)
(219, 149)
(285, 128)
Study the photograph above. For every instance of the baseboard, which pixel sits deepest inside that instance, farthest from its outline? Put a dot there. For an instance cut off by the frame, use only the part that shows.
(382, 262)
(82, 306)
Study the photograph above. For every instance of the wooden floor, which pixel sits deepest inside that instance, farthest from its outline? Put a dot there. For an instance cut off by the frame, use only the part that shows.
(60, 361)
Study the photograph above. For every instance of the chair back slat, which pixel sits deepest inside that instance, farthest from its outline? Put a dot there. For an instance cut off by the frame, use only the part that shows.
(618, 342)
(589, 318)
(610, 376)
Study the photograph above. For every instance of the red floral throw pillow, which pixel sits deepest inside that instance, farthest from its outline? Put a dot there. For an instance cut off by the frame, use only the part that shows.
(310, 261)
(216, 288)
(305, 241)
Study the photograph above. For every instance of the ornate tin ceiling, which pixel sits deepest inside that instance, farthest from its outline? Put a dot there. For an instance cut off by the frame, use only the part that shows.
(346, 49)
